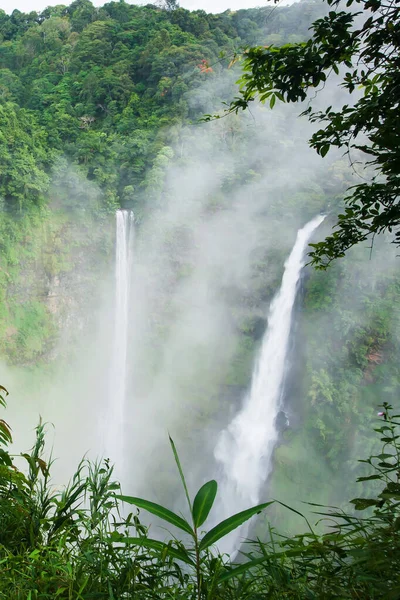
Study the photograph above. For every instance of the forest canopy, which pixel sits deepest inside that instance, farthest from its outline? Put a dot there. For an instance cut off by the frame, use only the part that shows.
(358, 41)
(109, 87)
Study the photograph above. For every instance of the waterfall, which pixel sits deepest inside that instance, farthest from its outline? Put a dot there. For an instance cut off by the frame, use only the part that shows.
(244, 450)
(118, 374)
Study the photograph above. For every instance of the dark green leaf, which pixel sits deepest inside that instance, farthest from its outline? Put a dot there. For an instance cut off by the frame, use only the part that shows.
(5, 458)
(235, 572)
(324, 150)
(369, 478)
(160, 547)
(363, 503)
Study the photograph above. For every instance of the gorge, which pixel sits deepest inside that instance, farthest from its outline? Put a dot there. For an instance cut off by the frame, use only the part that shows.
(155, 282)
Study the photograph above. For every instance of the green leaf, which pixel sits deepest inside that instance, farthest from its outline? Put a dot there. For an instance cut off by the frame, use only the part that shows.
(178, 464)
(231, 573)
(5, 432)
(390, 496)
(228, 525)
(324, 150)
(5, 458)
(2, 400)
(272, 101)
(159, 511)
(293, 510)
(161, 547)
(203, 502)
(61, 515)
(363, 503)
(369, 478)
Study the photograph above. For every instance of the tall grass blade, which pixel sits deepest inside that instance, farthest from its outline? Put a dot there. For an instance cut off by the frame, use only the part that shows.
(236, 571)
(159, 547)
(178, 464)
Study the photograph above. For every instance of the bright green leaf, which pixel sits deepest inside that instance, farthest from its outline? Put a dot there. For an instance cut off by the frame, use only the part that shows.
(159, 511)
(178, 464)
(203, 502)
(228, 525)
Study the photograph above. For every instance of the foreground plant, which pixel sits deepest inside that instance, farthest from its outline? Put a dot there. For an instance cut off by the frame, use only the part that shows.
(73, 544)
(358, 557)
(56, 543)
(196, 555)
(361, 46)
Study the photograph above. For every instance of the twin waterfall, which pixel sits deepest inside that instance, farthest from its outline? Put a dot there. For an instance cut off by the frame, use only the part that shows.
(118, 375)
(244, 449)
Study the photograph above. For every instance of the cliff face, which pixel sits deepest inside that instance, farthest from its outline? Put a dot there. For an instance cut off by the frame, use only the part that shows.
(51, 277)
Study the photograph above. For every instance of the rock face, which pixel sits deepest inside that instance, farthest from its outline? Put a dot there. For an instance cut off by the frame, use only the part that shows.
(53, 289)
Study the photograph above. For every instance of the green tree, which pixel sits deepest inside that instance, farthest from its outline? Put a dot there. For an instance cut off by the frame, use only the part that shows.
(23, 158)
(362, 47)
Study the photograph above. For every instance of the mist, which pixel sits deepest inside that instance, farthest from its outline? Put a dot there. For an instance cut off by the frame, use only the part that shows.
(222, 207)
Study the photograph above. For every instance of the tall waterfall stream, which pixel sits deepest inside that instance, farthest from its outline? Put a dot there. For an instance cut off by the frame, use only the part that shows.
(244, 449)
(118, 375)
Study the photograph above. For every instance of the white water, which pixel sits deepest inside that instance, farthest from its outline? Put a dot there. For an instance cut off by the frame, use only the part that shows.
(118, 374)
(244, 450)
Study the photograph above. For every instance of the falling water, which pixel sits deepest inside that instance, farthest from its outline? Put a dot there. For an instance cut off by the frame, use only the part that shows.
(117, 391)
(244, 450)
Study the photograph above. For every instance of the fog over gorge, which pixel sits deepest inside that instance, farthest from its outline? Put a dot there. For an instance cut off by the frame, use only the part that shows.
(194, 260)
(206, 259)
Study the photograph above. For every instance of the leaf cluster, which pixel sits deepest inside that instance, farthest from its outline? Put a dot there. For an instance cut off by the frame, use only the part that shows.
(365, 56)
(75, 543)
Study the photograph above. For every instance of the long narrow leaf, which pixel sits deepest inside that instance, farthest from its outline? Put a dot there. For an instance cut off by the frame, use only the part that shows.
(296, 512)
(2, 400)
(5, 432)
(228, 525)
(159, 511)
(235, 572)
(178, 464)
(71, 500)
(160, 547)
(203, 502)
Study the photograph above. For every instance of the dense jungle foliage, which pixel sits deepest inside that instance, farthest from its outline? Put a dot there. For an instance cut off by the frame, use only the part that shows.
(96, 105)
(91, 102)
(76, 544)
(362, 42)
(108, 87)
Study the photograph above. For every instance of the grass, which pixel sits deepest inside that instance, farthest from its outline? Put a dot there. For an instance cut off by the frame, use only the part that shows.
(78, 544)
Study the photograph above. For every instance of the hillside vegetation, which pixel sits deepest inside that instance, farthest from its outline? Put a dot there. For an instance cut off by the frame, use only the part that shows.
(99, 109)
(91, 101)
